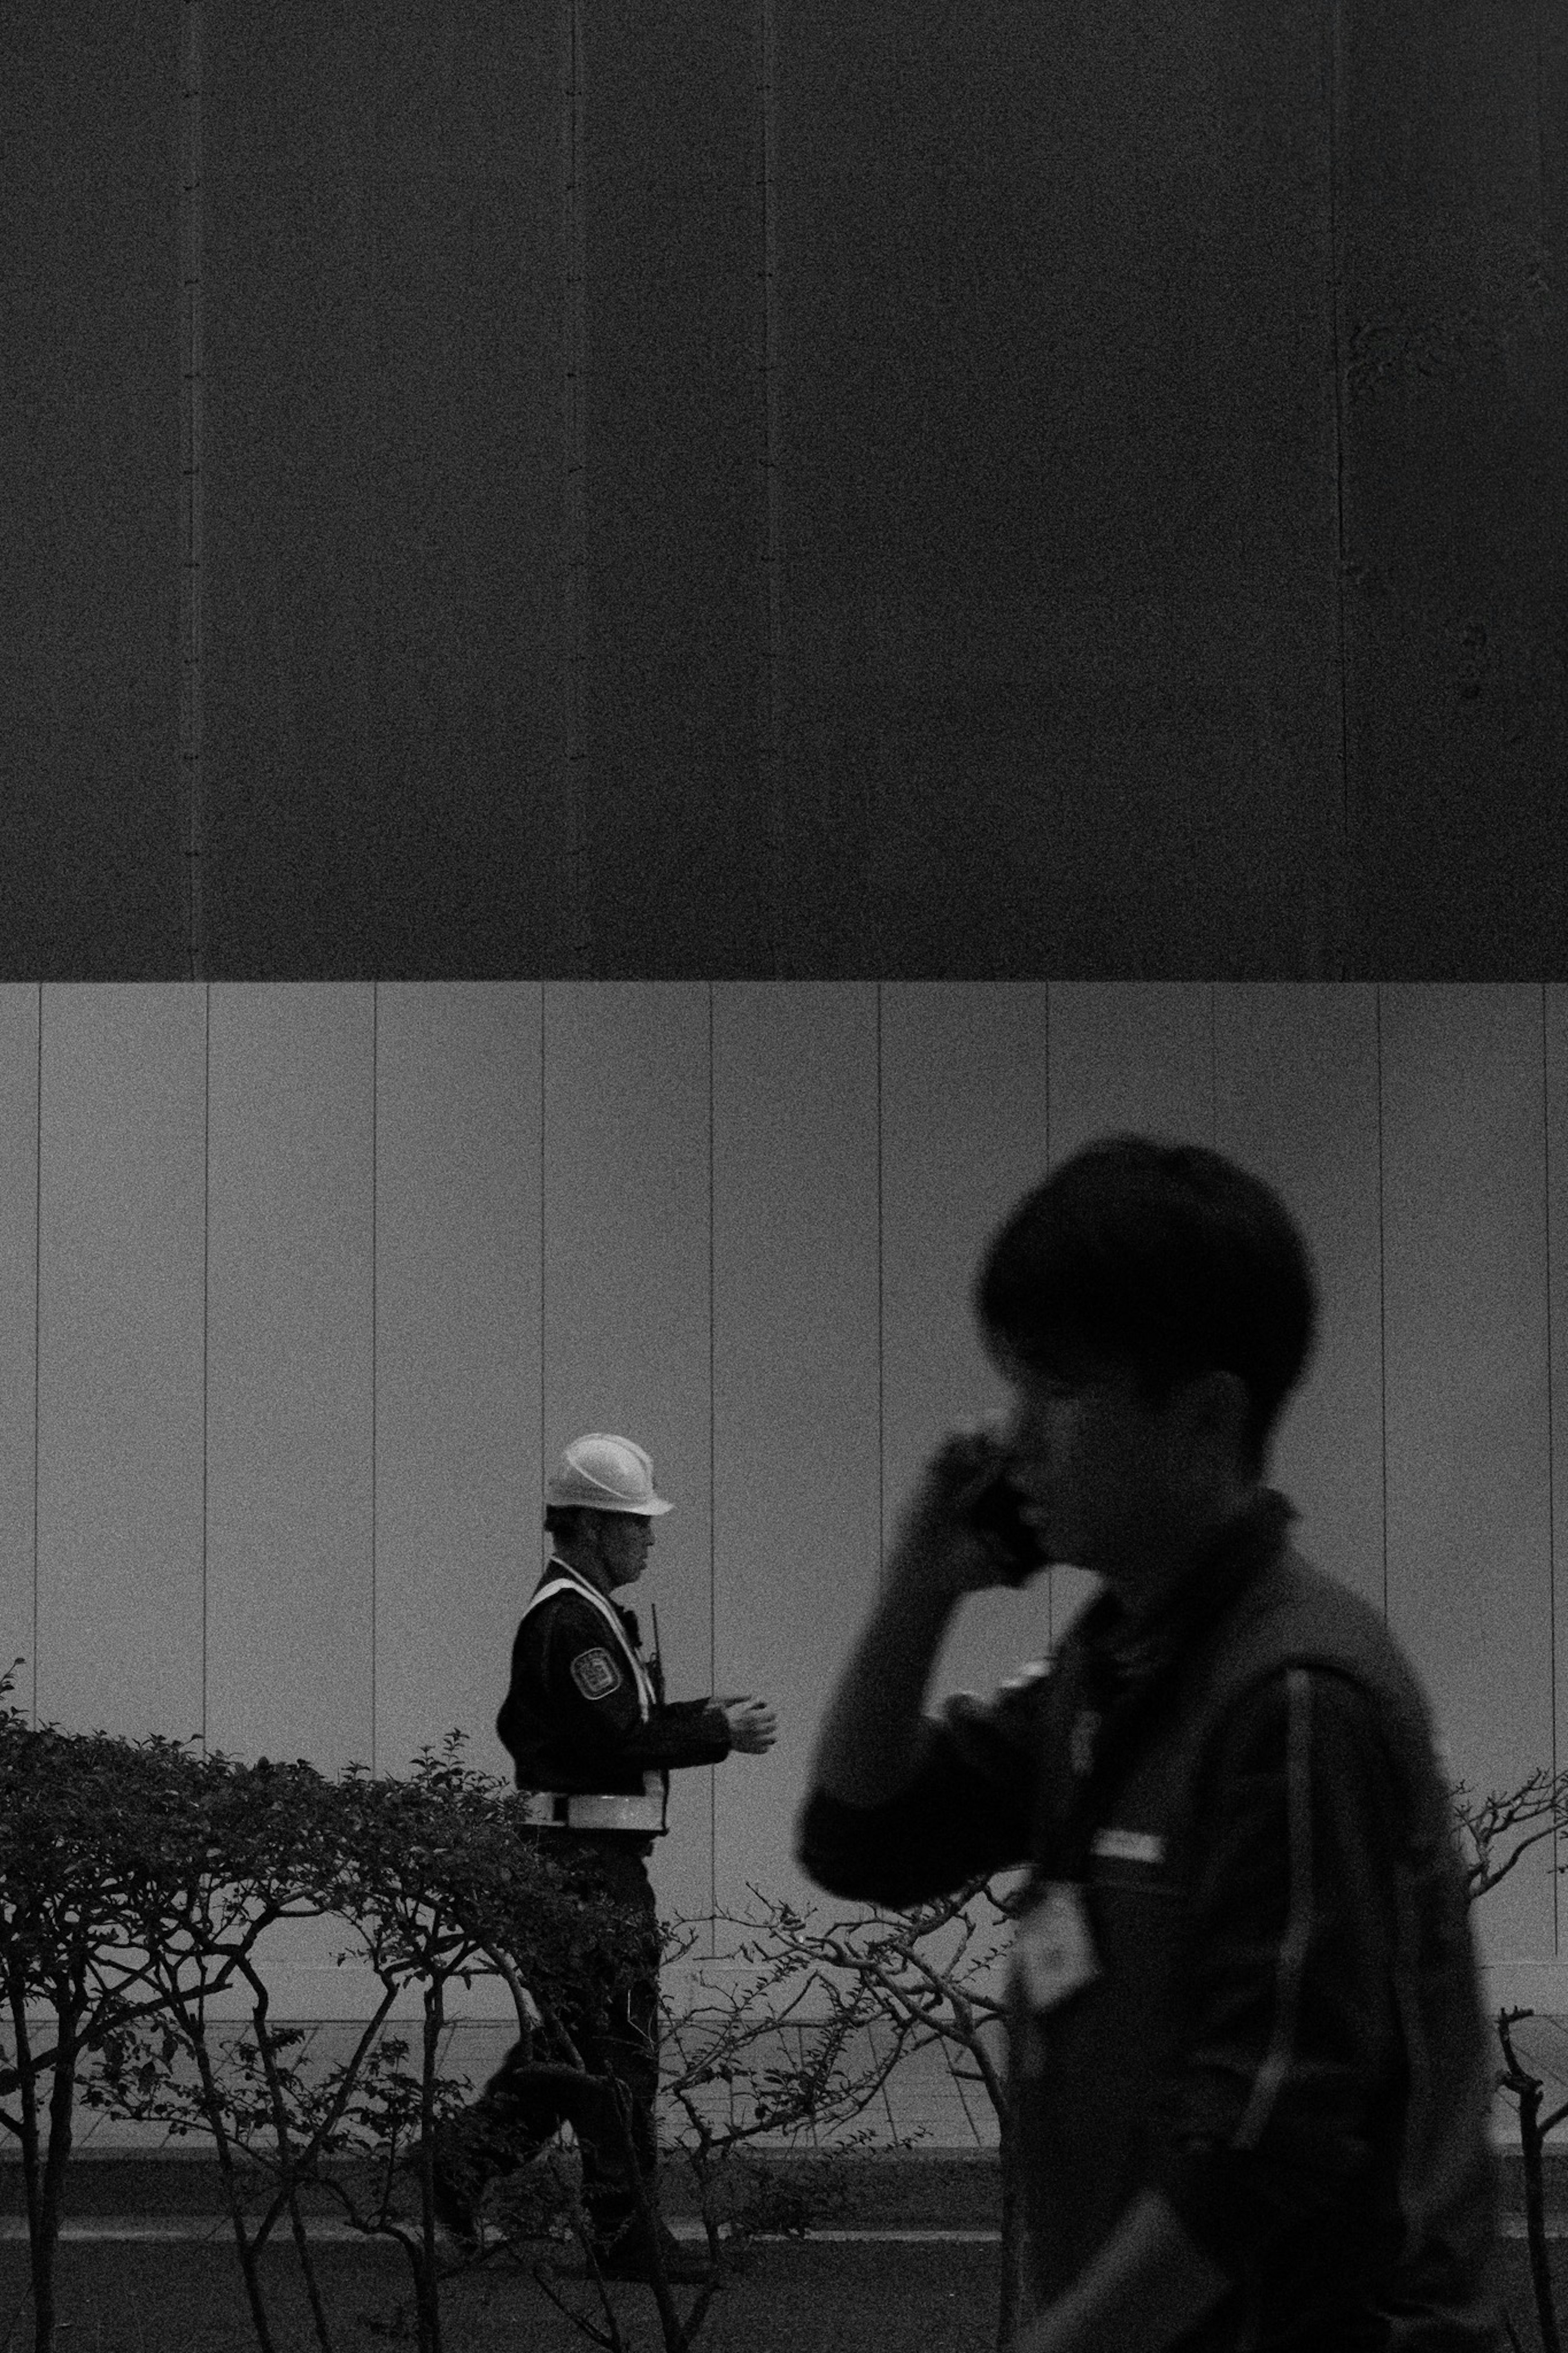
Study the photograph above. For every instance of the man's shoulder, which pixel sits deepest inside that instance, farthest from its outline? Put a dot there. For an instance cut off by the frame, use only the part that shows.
(566, 1610)
(1298, 1607)
(1299, 1615)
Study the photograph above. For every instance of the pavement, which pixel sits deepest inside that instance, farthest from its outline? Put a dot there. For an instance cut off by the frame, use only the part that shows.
(930, 2169)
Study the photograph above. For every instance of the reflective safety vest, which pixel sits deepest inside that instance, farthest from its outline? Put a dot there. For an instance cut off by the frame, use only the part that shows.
(574, 1809)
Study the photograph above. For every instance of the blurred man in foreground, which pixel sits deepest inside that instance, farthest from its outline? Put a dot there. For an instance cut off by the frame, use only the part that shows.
(1247, 2047)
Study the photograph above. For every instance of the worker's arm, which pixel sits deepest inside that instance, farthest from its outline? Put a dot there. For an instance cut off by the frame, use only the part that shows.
(591, 1689)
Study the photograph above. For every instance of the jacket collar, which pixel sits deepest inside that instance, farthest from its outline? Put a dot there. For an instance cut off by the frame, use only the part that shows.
(1130, 1653)
(556, 1567)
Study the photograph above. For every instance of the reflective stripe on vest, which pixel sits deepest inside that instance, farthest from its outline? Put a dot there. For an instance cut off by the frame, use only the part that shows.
(589, 1593)
(577, 1809)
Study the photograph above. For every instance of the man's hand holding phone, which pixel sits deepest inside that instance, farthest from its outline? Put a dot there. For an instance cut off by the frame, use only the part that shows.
(963, 1531)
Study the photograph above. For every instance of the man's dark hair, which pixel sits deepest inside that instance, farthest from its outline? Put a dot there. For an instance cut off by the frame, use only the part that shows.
(1164, 1256)
(563, 1519)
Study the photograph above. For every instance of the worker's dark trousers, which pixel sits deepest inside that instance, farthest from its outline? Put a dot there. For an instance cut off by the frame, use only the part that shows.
(511, 2119)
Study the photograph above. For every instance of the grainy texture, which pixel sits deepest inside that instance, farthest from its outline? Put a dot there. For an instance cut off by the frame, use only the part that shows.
(1169, 494)
(385, 483)
(1456, 482)
(677, 875)
(794, 2299)
(92, 875)
(812, 2298)
(1057, 462)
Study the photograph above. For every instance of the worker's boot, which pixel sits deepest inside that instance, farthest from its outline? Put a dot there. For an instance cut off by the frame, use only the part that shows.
(457, 2185)
(624, 2247)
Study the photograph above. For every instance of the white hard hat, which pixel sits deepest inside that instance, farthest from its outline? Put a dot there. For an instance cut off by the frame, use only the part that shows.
(601, 1474)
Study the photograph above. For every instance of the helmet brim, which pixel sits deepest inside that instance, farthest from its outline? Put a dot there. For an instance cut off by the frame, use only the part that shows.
(654, 1509)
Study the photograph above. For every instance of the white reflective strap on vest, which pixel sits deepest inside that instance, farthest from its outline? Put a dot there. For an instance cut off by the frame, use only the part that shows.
(591, 1594)
(574, 1810)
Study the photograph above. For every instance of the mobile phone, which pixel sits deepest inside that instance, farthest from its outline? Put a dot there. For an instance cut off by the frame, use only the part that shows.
(994, 1508)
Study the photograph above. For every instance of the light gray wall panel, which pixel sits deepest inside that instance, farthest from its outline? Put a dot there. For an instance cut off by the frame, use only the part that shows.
(1297, 1075)
(1465, 1289)
(119, 1388)
(1554, 1056)
(800, 1450)
(19, 1276)
(289, 1336)
(795, 1387)
(627, 1332)
(457, 1475)
(1131, 1054)
(964, 1135)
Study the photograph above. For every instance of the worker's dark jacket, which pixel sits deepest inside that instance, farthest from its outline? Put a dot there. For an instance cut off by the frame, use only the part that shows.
(1285, 2035)
(573, 1717)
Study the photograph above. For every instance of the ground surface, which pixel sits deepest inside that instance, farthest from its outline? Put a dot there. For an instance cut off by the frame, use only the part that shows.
(796, 2298)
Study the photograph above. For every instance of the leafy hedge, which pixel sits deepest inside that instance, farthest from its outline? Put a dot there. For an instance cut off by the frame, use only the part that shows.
(136, 1881)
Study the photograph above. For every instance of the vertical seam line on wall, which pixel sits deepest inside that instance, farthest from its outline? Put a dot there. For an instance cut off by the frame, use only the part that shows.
(1339, 960)
(771, 629)
(1551, 1444)
(1539, 149)
(1050, 1581)
(374, 1310)
(712, 1506)
(543, 1466)
(882, 1428)
(206, 1266)
(38, 1327)
(575, 343)
(1381, 1300)
(192, 435)
(1214, 1064)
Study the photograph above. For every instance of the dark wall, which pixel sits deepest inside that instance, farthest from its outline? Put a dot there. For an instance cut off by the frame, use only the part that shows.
(793, 488)
(92, 875)
(1455, 149)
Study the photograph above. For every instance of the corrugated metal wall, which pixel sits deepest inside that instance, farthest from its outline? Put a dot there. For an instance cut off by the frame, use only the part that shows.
(301, 1286)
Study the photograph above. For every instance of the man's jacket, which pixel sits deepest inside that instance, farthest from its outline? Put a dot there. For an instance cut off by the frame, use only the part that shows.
(1284, 2035)
(584, 1711)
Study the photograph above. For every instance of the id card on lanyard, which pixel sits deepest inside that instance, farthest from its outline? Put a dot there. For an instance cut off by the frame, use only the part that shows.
(1053, 1950)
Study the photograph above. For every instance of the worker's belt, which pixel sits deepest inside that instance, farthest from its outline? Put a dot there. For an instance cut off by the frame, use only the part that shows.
(574, 1809)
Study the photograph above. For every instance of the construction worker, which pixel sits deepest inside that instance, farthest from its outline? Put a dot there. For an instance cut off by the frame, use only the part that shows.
(594, 1741)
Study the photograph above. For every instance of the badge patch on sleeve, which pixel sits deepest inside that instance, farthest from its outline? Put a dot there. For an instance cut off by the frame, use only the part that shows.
(595, 1675)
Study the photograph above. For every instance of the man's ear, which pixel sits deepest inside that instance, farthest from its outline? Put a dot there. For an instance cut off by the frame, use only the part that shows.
(1214, 1407)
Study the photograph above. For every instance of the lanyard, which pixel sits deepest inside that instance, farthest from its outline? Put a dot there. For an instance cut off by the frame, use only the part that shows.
(1119, 1699)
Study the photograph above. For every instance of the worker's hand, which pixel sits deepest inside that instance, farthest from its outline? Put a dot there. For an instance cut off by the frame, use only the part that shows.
(937, 1550)
(753, 1724)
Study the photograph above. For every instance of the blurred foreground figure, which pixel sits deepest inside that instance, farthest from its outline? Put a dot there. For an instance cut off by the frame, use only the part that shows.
(594, 1740)
(1247, 2047)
